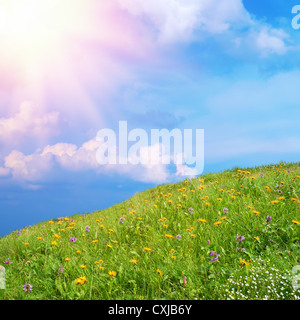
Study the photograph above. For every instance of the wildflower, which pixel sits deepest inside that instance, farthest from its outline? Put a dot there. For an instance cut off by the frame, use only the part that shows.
(50, 222)
(27, 288)
(178, 237)
(159, 272)
(202, 220)
(171, 251)
(73, 239)
(7, 261)
(112, 273)
(109, 246)
(111, 230)
(256, 212)
(240, 238)
(215, 256)
(225, 210)
(219, 199)
(191, 210)
(133, 261)
(80, 280)
(184, 280)
(122, 219)
(244, 262)
(98, 262)
(238, 248)
(296, 222)
(78, 251)
(208, 242)
(82, 266)
(101, 268)
(56, 236)
(173, 257)
(94, 241)
(217, 223)
(165, 225)
(26, 243)
(39, 238)
(88, 228)
(54, 243)
(67, 258)
(269, 219)
(193, 235)
(256, 238)
(223, 218)
(147, 249)
(60, 269)
(274, 201)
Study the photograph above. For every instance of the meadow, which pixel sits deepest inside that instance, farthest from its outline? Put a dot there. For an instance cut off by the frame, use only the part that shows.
(228, 235)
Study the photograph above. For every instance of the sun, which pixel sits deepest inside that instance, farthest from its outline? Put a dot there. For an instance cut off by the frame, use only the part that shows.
(33, 31)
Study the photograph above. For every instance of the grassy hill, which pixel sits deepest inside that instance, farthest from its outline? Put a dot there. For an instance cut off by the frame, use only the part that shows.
(228, 235)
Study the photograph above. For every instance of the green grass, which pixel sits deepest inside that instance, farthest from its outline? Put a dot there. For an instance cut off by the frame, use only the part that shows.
(173, 269)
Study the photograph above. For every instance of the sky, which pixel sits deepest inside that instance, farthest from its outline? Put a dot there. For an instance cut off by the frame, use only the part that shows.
(71, 69)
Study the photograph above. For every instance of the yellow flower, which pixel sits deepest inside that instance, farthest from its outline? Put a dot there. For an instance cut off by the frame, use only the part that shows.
(50, 222)
(69, 228)
(249, 207)
(159, 272)
(244, 262)
(165, 225)
(72, 223)
(39, 238)
(67, 258)
(59, 222)
(169, 236)
(233, 197)
(139, 218)
(78, 251)
(94, 241)
(66, 219)
(294, 199)
(133, 261)
(217, 223)
(54, 243)
(82, 266)
(56, 236)
(207, 203)
(98, 262)
(256, 212)
(184, 195)
(101, 268)
(219, 199)
(109, 246)
(62, 230)
(102, 226)
(147, 249)
(171, 251)
(26, 243)
(281, 198)
(111, 230)
(173, 257)
(202, 220)
(193, 235)
(274, 201)
(253, 178)
(179, 205)
(80, 280)
(112, 273)
(256, 238)
(224, 218)
(296, 222)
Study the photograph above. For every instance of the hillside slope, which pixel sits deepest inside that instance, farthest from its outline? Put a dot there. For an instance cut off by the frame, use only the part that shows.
(228, 235)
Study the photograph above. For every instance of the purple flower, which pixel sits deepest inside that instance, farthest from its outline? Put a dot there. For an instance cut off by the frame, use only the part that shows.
(237, 248)
(87, 228)
(208, 241)
(216, 256)
(191, 210)
(262, 175)
(73, 239)
(225, 210)
(27, 288)
(7, 261)
(122, 219)
(269, 219)
(178, 237)
(61, 269)
(240, 238)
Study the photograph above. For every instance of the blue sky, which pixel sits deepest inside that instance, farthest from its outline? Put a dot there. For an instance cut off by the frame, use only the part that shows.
(229, 67)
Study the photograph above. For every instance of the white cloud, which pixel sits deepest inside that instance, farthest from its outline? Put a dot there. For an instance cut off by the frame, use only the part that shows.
(176, 20)
(72, 158)
(28, 122)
